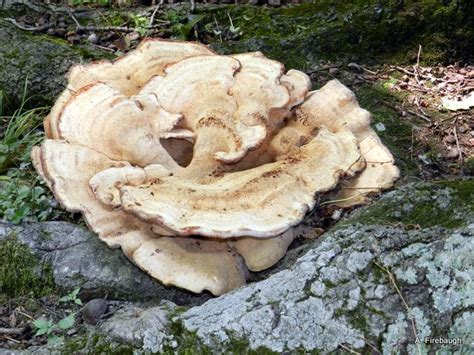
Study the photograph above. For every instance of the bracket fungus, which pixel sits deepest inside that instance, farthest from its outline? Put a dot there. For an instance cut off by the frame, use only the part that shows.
(198, 165)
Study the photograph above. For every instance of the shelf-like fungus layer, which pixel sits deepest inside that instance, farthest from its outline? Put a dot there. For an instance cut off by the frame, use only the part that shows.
(198, 165)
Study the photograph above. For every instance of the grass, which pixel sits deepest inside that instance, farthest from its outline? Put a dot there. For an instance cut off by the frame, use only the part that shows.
(23, 195)
(20, 134)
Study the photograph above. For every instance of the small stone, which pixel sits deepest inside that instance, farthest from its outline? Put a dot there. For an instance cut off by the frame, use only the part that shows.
(450, 139)
(94, 310)
(336, 214)
(274, 2)
(462, 129)
(51, 32)
(333, 71)
(380, 127)
(60, 32)
(354, 67)
(133, 36)
(452, 154)
(74, 39)
(93, 38)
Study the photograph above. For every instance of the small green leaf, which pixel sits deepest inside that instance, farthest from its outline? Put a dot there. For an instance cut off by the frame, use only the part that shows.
(78, 301)
(64, 299)
(44, 326)
(67, 322)
(54, 339)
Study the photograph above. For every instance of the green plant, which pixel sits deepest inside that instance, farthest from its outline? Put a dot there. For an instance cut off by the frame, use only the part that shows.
(72, 297)
(23, 196)
(20, 134)
(182, 29)
(51, 330)
(140, 23)
(55, 331)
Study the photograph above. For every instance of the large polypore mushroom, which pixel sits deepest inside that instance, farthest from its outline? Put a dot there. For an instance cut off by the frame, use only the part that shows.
(197, 165)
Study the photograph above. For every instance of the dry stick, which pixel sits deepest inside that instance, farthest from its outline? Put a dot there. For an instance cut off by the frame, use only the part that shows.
(417, 66)
(405, 71)
(352, 351)
(407, 307)
(96, 28)
(12, 331)
(372, 346)
(103, 48)
(323, 68)
(418, 115)
(29, 28)
(457, 145)
(152, 18)
(11, 339)
(417, 103)
(370, 71)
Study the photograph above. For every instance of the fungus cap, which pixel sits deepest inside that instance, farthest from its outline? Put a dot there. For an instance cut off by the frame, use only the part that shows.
(198, 165)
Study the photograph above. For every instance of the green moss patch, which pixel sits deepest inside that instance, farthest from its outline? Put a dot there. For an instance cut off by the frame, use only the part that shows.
(422, 205)
(370, 31)
(21, 273)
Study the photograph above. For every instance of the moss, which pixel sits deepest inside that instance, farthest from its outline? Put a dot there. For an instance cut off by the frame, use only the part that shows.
(357, 30)
(328, 284)
(441, 203)
(398, 134)
(21, 273)
(94, 345)
(189, 344)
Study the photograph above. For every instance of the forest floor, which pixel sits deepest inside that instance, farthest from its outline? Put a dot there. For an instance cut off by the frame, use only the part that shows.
(420, 92)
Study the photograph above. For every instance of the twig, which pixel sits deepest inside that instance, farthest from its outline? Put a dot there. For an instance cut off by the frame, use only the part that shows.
(71, 15)
(407, 307)
(352, 351)
(323, 69)
(370, 71)
(24, 314)
(340, 200)
(11, 339)
(405, 71)
(417, 103)
(103, 48)
(12, 331)
(28, 28)
(152, 18)
(418, 115)
(98, 28)
(371, 345)
(416, 68)
(457, 145)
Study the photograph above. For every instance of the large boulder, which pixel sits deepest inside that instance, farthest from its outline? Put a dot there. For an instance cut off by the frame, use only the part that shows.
(79, 259)
(393, 272)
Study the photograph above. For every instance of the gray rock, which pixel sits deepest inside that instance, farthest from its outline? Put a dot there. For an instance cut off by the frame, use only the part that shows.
(340, 294)
(79, 259)
(94, 310)
(130, 324)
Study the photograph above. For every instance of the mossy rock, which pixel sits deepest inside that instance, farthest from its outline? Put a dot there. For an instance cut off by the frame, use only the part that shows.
(21, 272)
(443, 203)
(370, 31)
(38, 62)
